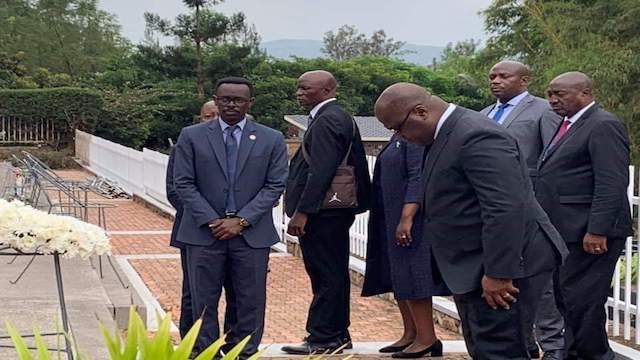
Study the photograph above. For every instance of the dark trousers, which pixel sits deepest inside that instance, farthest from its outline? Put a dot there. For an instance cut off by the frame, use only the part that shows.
(582, 288)
(186, 308)
(245, 269)
(500, 334)
(549, 324)
(325, 251)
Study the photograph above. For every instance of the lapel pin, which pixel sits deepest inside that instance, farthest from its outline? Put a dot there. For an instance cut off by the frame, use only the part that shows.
(252, 137)
(398, 144)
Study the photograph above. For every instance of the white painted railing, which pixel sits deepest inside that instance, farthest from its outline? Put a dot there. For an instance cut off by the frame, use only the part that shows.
(622, 307)
(143, 172)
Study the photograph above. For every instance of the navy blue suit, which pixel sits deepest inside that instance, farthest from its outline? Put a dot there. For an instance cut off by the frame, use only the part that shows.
(186, 306)
(405, 270)
(202, 183)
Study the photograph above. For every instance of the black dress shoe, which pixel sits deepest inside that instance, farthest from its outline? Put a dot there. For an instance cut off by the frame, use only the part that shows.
(434, 350)
(553, 355)
(534, 354)
(308, 348)
(393, 349)
(346, 343)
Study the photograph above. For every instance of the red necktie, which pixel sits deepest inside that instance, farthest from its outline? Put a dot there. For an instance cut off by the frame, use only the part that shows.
(563, 130)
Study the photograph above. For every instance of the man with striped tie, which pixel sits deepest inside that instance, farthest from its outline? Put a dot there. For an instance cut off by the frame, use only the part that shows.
(530, 120)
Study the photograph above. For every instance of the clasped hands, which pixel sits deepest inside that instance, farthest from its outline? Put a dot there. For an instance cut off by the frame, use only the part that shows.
(225, 229)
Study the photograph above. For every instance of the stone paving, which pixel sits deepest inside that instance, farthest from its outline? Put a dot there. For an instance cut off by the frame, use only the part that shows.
(288, 294)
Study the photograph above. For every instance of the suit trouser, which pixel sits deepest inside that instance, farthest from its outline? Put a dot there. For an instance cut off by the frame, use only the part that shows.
(186, 308)
(500, 334)
(549, 324)
(325, 251)
(245, 268)
(548, 327)
(582, 288)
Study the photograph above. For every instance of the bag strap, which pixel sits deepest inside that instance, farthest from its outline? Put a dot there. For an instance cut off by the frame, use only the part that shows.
(305, 155)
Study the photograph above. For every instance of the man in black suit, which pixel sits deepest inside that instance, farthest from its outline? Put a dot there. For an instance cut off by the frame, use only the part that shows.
(530, 120)
(582, 184)
(492, 243)
(324, 234)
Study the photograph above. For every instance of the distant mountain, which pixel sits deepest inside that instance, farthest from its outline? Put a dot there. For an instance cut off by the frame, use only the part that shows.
(286, 48)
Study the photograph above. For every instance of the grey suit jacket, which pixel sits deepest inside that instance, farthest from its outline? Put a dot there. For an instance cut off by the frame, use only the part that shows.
(533, 124)
(200, 176)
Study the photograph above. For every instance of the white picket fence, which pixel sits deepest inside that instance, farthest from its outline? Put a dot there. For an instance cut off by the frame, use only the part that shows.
(142, 173)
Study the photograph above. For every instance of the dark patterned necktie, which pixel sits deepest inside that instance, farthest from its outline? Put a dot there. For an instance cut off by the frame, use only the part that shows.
(231, 147)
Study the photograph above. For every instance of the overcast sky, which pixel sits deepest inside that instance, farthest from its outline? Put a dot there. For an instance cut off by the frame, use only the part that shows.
(424, 22)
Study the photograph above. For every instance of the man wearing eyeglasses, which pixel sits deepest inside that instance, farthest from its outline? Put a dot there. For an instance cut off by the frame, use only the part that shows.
(491, 240)
(229, 173)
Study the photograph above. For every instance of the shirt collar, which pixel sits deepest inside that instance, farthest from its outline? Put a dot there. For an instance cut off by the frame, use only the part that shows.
(577, 115)
(443, 118)
(515, 100)
(316, 108)
(224, 125)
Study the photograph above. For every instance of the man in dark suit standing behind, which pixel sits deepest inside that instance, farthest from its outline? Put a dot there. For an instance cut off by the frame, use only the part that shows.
(324, 234)
(530, 120)
(492, 243)
(582, 184)
(229, 173)
(208, 112)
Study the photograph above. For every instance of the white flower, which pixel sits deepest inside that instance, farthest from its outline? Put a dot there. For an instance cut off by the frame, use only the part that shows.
(30, 230)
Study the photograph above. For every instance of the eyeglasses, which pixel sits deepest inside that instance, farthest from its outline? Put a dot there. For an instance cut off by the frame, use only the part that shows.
(225, 101)
(399, 128)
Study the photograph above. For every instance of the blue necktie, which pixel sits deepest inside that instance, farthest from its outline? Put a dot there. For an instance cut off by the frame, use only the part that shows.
(498, 114)
(231, 147)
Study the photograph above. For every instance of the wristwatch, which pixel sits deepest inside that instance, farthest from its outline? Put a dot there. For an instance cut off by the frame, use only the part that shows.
(243, 222)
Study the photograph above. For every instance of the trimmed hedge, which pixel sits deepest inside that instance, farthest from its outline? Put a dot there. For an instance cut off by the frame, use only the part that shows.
(69, 108)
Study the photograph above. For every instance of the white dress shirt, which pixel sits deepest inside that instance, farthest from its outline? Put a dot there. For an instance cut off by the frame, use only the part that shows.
(577, 115)
(316, 108)
(443, 118)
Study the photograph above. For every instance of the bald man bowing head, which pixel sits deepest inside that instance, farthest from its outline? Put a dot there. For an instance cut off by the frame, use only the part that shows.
(490, 239)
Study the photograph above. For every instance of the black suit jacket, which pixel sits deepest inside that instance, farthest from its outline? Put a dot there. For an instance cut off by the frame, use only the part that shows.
(174, 200)
(479, 208)
(327, 143)
(582, 180)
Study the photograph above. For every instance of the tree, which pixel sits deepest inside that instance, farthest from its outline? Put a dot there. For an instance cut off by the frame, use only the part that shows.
(203, 26)
(348, 43)
(62, 36)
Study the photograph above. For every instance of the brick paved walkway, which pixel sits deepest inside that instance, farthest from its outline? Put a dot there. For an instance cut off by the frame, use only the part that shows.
(288, 294)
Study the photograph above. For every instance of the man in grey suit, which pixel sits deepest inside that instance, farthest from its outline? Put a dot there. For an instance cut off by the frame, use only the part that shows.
(530, 120)
(229, 173)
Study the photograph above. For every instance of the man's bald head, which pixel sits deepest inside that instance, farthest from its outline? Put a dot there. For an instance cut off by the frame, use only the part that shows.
(209, 111)
(508, 79)
(568, 93)
(315, 87)
(411, 111)
(574, 79)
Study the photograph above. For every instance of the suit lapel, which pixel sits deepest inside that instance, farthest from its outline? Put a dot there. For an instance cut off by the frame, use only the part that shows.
(217, 143)
(246, 144)
(517, 110)
(486, 111)
(439, 144)
(572, 130)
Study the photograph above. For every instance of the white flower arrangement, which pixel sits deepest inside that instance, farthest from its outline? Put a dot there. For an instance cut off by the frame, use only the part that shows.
(26, 229)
